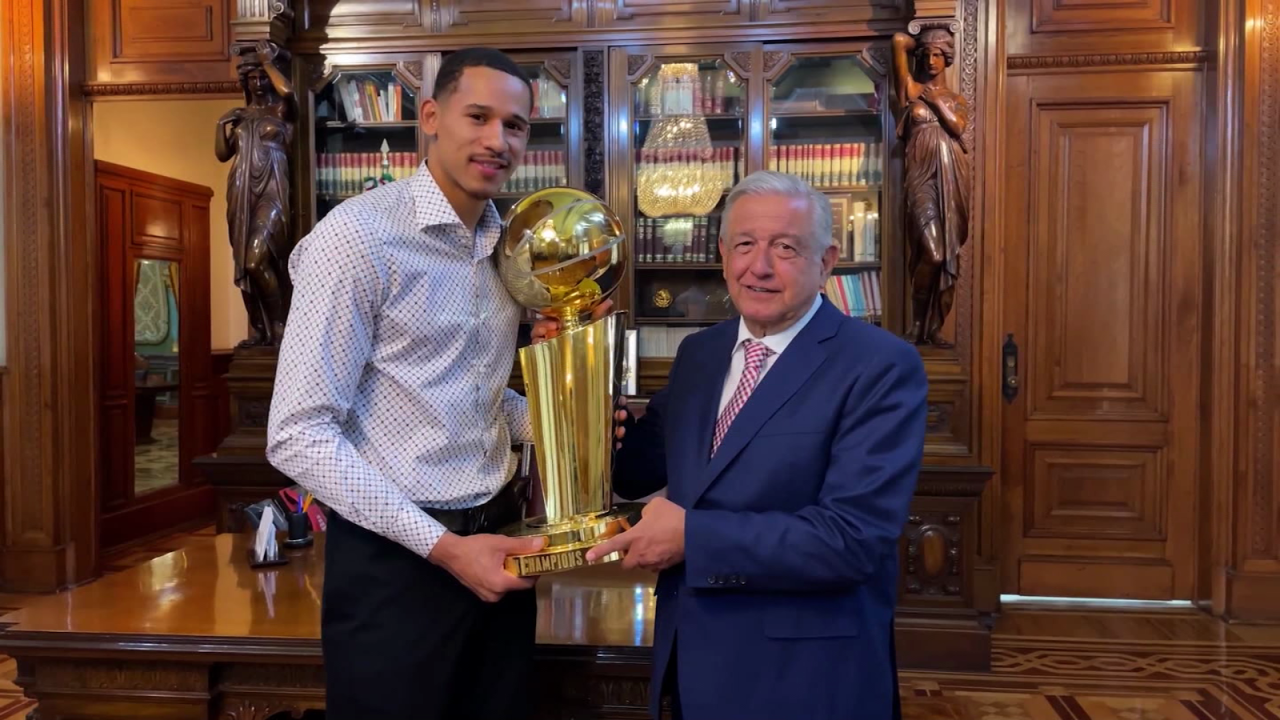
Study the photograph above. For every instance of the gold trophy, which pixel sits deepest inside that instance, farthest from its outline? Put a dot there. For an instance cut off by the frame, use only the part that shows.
(562, 253)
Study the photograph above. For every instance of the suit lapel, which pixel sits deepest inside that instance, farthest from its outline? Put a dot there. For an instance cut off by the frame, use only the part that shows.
(704, 399)
(791, 370)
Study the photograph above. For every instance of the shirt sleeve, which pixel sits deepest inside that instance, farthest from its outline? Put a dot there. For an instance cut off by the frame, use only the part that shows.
(516, 409)
(328, 341)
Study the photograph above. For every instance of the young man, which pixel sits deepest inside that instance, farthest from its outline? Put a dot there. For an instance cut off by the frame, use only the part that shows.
(391, 407)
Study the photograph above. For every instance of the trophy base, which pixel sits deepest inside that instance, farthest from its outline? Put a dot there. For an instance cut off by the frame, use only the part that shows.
(568, 543)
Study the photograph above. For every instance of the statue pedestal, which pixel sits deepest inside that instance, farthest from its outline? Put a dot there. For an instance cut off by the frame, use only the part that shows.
(238, 470)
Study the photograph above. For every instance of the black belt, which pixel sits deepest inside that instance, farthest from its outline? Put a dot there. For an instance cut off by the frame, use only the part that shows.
(501, 510)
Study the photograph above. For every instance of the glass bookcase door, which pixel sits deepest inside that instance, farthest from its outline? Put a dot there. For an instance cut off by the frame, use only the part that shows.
(546, 160)
(689, 140)
(366, 130)
(826, 125)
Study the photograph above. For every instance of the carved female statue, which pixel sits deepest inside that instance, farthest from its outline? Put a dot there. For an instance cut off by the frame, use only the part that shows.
(259, 137)
(933, 120)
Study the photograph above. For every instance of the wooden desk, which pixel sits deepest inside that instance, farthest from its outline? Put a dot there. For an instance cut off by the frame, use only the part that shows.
(197, 634)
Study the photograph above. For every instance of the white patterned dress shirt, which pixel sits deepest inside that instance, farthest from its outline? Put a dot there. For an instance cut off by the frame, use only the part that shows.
(391, 387)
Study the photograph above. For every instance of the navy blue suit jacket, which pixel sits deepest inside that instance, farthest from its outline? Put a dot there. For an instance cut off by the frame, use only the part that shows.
(783, 606)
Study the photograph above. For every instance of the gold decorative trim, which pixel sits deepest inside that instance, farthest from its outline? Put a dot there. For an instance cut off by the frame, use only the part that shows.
(1051, 62)
(1267, 386)
(229, 87)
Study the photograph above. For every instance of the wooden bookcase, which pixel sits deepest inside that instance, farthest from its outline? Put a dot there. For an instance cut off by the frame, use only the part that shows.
(765, 88)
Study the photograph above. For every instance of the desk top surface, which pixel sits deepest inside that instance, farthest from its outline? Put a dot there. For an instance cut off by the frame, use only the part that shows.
(208, 590)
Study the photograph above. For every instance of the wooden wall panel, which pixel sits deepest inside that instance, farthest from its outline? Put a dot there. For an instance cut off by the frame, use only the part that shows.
(1104, 27)
(828, 10)
(1094, 288)
(151, 47)
(48, 538)
(178, 30)
(116, 376)
(497, 16)
(1102, 292)
(1245, 380)
(633, 14)
(1093, 15)
(336, 18)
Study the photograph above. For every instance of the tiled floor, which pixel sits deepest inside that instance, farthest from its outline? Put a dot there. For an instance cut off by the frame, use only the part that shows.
(1047, 665)
(155, 465)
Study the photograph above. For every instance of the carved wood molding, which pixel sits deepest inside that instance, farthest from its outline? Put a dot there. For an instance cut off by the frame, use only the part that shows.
(637, 64)
(1052, 62)
(105, 675)
(25, 437)
(967, 57)
(934, 563)
(775, 62)
(229, 87)
(879, 58)
(593, 81)
(1263, 543)
(292, 677)
(50, 522)
(411, 69)
(257, 709)
(561, 69)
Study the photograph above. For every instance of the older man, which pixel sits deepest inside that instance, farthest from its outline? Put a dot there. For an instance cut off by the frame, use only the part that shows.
(788, 442)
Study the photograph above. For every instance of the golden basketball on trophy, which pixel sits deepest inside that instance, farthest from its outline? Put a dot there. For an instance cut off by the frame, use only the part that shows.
(562, 253)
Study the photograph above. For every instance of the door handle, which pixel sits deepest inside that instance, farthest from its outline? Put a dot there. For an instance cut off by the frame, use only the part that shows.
(1009, 369)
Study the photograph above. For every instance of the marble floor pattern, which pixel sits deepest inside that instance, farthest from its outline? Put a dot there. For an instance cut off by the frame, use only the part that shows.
(1046, 665)
(155, 465)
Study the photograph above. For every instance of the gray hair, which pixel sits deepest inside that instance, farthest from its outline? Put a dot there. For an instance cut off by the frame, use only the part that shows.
(768, 182)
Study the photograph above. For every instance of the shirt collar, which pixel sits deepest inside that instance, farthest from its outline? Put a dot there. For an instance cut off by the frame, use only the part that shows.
(432, 209)
(778, 343)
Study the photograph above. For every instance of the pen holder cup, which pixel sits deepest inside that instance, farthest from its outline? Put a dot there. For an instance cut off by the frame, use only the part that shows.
(299, 530)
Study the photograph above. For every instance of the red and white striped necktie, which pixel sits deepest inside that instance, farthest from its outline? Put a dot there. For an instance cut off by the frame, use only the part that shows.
(756, 353)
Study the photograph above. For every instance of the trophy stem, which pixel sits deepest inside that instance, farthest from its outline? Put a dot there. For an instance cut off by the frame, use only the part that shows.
(570, 382)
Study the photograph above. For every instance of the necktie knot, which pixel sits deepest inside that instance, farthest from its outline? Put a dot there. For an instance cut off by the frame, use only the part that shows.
(756, 352)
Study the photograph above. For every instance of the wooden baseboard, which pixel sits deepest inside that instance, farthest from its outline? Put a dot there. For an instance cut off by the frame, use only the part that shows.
(34, 569)
(1252, 597)
(927, 644)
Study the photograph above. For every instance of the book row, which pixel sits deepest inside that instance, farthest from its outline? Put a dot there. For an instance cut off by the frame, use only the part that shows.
(677, 240)
(366, 100)
(725, 162)
(856, 294)
(541, 168)
(862, 237)
(350, 173)
(830, 164)
(687, 94)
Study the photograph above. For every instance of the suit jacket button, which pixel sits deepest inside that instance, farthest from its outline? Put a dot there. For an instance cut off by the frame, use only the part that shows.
(712, 580)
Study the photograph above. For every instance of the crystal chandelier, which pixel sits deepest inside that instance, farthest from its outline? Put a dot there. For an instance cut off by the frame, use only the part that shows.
(677, 175)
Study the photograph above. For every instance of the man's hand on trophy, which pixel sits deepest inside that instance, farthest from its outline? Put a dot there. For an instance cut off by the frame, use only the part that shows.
(621, 417)
(477, 562)
(545, 328)
(655, 543)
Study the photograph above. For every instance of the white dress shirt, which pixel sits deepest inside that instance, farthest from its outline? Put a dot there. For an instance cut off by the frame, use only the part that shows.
(776, 343)
(391, 388)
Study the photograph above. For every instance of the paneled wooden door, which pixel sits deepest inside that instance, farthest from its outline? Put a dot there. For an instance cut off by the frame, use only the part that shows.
(1102, 320)
(156, 397)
